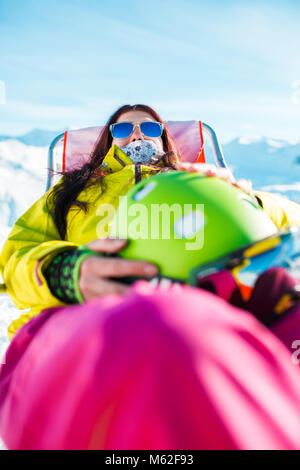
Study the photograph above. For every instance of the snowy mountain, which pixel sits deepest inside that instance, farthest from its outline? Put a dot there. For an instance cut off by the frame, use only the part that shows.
(271, 164)
(264, 161)
(22, 178)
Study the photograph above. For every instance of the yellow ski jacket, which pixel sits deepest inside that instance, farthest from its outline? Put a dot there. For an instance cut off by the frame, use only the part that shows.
(34, 240)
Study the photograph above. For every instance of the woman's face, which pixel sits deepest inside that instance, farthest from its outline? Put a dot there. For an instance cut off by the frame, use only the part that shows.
(136, 117)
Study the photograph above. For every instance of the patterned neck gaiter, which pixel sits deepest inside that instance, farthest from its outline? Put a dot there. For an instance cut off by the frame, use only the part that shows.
(141, 151)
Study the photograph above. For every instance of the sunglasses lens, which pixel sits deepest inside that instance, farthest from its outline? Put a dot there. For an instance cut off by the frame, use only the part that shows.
(151, 129)
(122, 130)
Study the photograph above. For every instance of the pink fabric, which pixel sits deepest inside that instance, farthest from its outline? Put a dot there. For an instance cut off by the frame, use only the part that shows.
(80, 143)
(157, 369)
(222, 283)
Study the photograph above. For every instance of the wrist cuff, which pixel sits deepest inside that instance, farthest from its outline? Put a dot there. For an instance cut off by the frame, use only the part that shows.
(62, 274)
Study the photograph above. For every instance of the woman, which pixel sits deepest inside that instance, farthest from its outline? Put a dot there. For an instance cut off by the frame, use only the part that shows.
(67, 217)
(102, 374)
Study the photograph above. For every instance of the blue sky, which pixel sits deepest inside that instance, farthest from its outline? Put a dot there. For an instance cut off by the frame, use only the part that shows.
(71, 63)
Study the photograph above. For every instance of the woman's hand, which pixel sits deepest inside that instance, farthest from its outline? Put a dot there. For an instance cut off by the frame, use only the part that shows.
(95, 271)
(218, 172)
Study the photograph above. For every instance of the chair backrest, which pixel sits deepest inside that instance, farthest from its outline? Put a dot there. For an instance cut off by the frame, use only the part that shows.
(73, 148)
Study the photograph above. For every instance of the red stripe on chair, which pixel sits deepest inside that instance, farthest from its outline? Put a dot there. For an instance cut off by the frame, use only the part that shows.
(201, 132)
(201, 156)
(64, 152)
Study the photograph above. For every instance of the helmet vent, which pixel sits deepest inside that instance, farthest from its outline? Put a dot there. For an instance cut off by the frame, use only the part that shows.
(189, 224)
(144, 191)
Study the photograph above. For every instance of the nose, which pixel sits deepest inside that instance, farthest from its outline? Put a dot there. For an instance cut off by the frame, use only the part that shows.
(136, 134)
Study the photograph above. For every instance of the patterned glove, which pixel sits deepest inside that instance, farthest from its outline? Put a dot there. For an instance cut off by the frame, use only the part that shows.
(62, 274)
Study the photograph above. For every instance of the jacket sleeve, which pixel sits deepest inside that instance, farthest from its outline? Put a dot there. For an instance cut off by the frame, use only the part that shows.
(282, 211)
(33, 242)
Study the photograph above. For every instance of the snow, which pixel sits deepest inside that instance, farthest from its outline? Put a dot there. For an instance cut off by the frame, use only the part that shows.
(22, 175)
(271, 164)
(278, 144)
(250, 139)
(8, 312)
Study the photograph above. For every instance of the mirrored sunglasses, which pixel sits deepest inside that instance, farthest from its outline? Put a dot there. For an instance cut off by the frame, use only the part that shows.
(121, 130)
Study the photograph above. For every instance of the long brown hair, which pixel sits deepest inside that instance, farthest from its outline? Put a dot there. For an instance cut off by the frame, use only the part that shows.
(64, 195)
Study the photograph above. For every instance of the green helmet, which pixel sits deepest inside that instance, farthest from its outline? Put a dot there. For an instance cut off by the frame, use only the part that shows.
(180, 221)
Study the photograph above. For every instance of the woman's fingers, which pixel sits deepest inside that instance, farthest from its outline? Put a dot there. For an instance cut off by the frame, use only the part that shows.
(225, 174)
(107, 245)
(116, 267)
(245, 185)
(208, 170)
(96, 271)
(92, 287)
(217, 172)
(196, 167)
